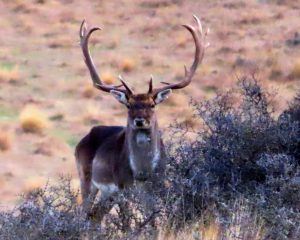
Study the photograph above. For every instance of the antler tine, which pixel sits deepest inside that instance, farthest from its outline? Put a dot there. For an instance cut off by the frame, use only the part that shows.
(166, 83)
(129, 91)
(150, 85)
(84, 35)
(200, 45)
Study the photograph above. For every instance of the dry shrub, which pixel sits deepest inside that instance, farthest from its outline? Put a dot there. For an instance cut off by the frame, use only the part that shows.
(114, 42)
(61, 42)
(242, 223)
(34, 182)
(177, 100)
(238, 179)
(295, 73)
(33, 120)
(243, 151)
(91, 115)
(127, 64)
(66, 16)
(187, 118)
(9, 74)
(251, 17)
(181, 40)
(272, 62)
(108, 78)
(88, 91)
(6, 139)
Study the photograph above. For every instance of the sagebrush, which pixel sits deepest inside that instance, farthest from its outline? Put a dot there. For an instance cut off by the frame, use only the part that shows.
(240, 168)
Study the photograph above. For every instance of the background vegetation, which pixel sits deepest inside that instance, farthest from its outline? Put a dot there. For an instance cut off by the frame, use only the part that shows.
(237, 177)
(47, 102)
(238, 174)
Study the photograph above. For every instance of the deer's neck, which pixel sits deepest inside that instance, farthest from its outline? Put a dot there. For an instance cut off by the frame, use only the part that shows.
(143, 145)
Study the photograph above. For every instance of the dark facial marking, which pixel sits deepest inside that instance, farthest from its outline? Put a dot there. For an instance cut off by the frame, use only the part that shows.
(141, 101)
(141, 110)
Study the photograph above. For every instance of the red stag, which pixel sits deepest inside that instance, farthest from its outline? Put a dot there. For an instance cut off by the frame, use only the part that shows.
(111, 158)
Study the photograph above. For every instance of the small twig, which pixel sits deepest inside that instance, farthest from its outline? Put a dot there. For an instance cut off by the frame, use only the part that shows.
(143, 224)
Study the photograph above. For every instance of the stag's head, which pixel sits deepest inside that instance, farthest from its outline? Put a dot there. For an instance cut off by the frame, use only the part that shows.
(141, 107)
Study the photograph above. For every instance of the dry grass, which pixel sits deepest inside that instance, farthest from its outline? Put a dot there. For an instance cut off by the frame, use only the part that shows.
(34, 182)
(88, 91)
(276, 71)
(296, 69)
(33, 120)
(272, 62)
(75, 184)
(243, 225)
(177, 100)
(181, 40)
(189, 119)
(127, 65)
(6, 139)
(252, 17)
(61, 42)
(198, 231)
(91, 115)
(108, 78)
(9, 74)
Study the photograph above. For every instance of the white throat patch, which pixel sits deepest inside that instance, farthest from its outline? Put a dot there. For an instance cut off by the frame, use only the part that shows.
(154, 161)
(131, 162)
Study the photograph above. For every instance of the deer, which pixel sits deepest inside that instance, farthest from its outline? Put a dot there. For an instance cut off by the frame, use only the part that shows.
(111, 158)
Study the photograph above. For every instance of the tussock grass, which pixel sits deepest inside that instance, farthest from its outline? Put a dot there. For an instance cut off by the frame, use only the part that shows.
(88, 91)
(6, 138)
(127, 65)
(181, 40)
(33, 120)
(109, 78)
(34, 183)
(9, 73)
(295, 73)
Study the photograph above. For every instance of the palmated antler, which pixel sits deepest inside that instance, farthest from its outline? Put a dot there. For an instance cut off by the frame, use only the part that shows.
(200, 44)
(84, 35)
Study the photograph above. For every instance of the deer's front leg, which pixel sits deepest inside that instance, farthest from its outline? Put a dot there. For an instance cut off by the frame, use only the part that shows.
(105, 203)
(89, 200)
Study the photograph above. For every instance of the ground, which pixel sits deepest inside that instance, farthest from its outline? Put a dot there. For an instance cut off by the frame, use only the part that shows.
(42, 70)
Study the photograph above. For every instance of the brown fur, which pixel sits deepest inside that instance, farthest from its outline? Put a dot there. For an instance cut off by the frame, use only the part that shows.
(104, 154)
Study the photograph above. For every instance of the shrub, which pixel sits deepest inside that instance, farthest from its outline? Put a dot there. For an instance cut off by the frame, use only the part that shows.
(243, 152)
(296, 70)
(127, 65)
(6, 139)
(53, 213)
(108, 78)
(88, 91)
(9, 73)
(240, 173)
(33, 120)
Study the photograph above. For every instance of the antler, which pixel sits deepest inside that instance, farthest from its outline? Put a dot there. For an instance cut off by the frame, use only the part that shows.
(84, 35)
(200, 44)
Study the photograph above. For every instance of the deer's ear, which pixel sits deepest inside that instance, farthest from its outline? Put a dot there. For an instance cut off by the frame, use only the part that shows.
(120, 96)
(163, 95)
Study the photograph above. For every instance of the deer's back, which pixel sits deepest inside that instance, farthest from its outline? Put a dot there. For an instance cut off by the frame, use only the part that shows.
(88, 146)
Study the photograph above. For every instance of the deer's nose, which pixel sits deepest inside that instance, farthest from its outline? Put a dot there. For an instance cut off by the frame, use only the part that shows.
(140, 122)
(142, 176)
